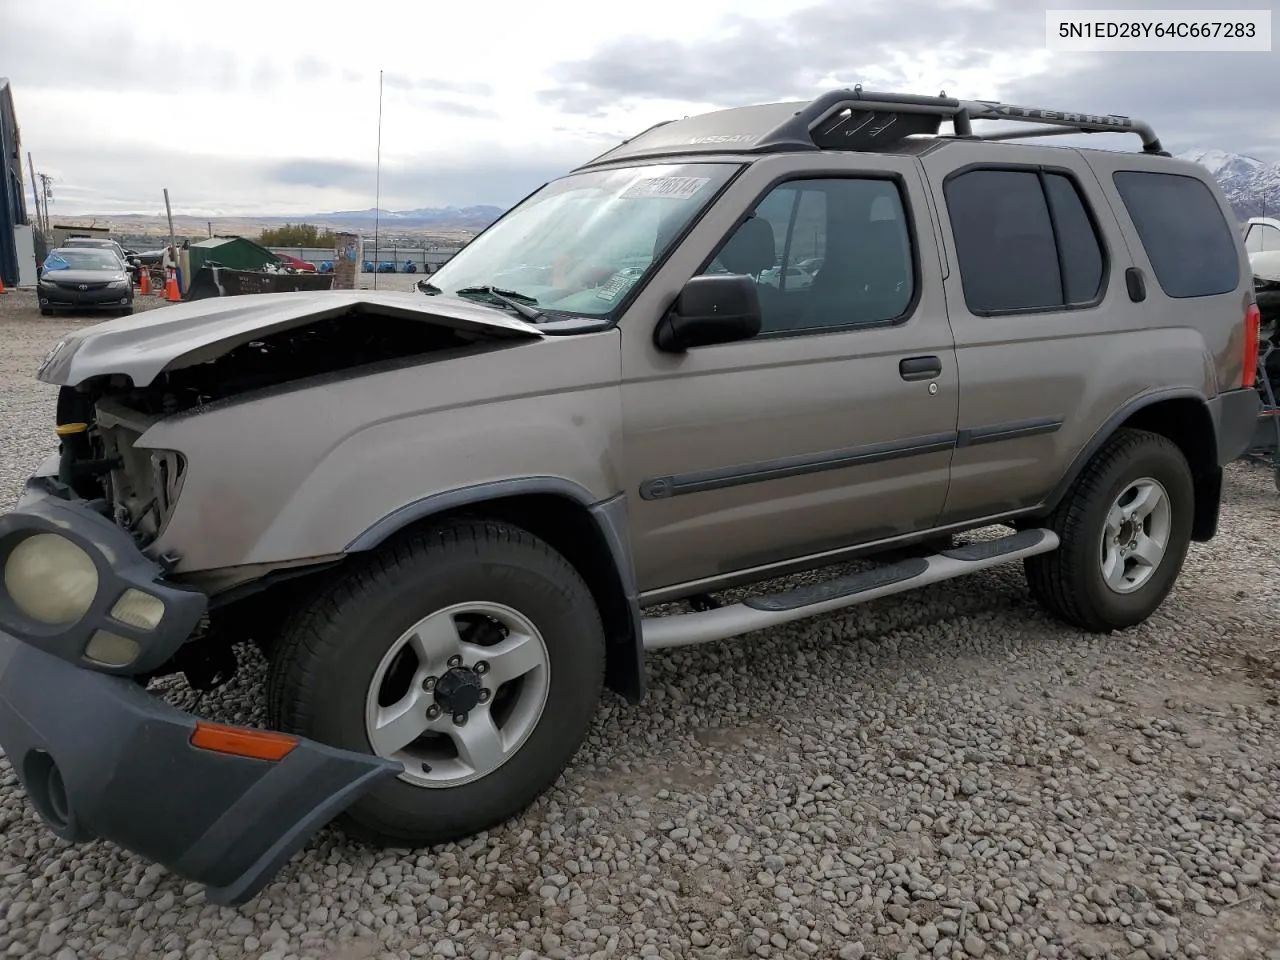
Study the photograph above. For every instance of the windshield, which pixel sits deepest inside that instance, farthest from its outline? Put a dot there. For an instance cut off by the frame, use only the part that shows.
(81, 258)
(580, 243)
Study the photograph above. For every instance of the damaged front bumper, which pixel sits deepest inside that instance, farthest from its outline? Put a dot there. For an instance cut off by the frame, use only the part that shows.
(102, 758)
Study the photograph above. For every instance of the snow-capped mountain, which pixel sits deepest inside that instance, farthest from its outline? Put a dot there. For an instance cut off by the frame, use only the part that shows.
(1252, 186)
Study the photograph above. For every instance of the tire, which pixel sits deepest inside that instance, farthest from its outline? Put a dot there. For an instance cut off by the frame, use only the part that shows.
(323, 667)
(45, 312)
(127, 312)
(1070, 582)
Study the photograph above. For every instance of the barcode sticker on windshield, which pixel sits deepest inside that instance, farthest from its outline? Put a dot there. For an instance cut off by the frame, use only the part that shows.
(668, 188)
(612, 287)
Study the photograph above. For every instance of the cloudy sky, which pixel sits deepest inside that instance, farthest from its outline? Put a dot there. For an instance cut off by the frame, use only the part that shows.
(248, 107)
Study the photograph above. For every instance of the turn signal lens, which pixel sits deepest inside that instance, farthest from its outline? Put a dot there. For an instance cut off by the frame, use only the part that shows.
(138, 609)
(242, 742)
(50, 579)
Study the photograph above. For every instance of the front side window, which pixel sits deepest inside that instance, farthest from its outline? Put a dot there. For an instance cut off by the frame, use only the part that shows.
(1024, 241)
(825, 253)
(578, 245)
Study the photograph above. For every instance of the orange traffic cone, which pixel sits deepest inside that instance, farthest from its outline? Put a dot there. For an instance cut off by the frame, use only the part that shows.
(171, 293)
(144, 282)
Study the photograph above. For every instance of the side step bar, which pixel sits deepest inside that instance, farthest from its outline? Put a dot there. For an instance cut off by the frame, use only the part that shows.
(771, 610)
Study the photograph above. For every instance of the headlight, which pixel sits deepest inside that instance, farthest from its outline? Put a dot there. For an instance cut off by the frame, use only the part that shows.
(119, 284)
(50, 579)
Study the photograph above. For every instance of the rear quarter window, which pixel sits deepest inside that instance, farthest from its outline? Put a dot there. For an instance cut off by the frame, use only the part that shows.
(1191, 246)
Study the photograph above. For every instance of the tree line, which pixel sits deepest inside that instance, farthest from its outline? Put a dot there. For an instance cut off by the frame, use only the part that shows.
(297, 235)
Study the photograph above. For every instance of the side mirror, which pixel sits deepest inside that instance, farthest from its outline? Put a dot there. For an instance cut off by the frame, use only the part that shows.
(711, 309)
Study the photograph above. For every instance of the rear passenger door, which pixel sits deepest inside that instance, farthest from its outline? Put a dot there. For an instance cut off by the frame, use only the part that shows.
(1051, 339)
(1036, 297)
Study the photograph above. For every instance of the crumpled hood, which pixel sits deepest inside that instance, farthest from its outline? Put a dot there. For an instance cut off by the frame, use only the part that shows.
(169, 338)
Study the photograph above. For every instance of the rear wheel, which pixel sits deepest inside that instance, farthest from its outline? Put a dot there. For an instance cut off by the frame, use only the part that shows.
(473, 655)
(1125, 527)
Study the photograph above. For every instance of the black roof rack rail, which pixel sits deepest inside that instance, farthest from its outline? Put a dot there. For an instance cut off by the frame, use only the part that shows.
(857, 119)
(877, 118)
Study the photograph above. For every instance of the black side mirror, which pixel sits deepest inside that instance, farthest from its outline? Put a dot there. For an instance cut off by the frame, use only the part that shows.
(713, 308)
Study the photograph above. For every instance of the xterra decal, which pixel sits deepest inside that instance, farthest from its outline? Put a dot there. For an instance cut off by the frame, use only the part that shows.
(1035, 113)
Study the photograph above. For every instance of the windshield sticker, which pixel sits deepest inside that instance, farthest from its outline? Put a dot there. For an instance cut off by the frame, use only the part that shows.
(667, 188)
(615, 285)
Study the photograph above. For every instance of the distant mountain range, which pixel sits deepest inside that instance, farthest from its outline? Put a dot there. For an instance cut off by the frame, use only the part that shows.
(445, 223)
(1252, 186)
(454, 218)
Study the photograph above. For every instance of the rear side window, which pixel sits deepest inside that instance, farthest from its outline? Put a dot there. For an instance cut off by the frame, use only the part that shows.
(1024, 240)
(1191, 247)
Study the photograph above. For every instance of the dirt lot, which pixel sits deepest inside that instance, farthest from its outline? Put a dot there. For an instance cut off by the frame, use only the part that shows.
(950, 775)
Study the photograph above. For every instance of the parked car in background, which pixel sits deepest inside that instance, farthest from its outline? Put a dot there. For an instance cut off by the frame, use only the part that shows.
(795, 278)
(84, 277)
(1262, 234)
(296, 263)
(149, 258)
(131, 265)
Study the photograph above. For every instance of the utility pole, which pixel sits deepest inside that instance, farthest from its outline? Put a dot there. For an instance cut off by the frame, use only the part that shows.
(47, 195)
(168, 211)
(35, 191)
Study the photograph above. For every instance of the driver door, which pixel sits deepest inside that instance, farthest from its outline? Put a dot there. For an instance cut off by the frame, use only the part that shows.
(835, 425)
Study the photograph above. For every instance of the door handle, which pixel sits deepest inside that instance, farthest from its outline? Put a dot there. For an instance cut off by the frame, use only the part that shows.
(919, 368)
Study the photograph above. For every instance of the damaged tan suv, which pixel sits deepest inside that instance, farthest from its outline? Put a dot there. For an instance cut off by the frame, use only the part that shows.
(736, 346)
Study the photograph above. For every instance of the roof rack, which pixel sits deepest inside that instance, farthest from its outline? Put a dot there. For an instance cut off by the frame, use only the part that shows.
(861, 120)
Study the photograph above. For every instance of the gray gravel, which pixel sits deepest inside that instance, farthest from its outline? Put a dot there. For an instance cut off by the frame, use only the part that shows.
(949, 776)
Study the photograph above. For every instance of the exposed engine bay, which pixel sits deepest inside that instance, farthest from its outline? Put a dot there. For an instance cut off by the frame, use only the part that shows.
(100, 421)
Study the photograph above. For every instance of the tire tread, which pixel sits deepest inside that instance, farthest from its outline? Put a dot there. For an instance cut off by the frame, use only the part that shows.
(1054, 578)
(310, 639)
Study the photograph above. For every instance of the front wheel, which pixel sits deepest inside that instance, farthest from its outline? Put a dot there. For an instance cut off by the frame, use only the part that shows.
(473, 655)
(1124, 527)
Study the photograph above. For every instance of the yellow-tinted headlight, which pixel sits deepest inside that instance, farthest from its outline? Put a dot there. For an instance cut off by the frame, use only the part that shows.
(50, 579)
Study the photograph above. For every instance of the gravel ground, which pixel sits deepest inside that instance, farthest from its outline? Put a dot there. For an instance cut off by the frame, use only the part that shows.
(950, 775)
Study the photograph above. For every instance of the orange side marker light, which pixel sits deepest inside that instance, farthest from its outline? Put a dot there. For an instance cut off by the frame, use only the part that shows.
(241, 742)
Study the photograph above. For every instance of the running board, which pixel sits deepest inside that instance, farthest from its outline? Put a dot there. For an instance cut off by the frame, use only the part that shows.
(771, 610)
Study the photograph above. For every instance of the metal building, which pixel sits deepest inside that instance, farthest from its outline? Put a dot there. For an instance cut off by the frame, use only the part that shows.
(15, 229)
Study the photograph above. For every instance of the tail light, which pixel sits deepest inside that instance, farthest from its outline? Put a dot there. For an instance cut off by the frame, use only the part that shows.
(1252, 329)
